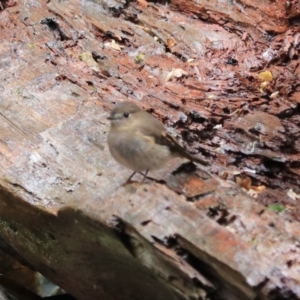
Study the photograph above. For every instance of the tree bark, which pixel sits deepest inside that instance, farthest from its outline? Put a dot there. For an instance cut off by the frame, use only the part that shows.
(184, 234)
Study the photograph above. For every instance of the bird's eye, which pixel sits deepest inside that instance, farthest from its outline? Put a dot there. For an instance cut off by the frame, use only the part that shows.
(126, 115)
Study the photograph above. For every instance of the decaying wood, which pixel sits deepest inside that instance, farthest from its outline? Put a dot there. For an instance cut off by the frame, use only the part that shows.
(185, 234)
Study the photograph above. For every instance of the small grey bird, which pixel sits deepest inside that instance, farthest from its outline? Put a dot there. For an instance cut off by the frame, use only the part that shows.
(140, 142)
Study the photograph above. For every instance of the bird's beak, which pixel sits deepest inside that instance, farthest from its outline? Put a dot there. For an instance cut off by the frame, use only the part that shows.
(113, 118)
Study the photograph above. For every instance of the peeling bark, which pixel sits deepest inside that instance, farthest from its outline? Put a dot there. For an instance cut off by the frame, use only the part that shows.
(187, 233)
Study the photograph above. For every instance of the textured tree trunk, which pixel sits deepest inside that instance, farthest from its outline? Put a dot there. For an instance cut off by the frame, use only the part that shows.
(223, 76)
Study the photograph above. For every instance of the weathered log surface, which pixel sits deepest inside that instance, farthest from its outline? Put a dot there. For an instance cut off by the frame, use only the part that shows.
(186, 234)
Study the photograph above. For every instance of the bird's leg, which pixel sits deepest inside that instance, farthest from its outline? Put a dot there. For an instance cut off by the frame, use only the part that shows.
(145, 175)
(130, 176)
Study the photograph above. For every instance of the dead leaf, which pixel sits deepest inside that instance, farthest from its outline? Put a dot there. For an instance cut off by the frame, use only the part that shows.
(258, 189)
(293, 195)
(114, 45)
(274, 95)
(244, 182)
(142, 3)
(224, 175)
(218, 126)
(212, 96)
(170, 43)
(88, 58)
(175, 73)
(263, 86)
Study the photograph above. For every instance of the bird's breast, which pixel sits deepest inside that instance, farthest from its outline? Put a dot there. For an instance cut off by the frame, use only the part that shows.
(137, 151)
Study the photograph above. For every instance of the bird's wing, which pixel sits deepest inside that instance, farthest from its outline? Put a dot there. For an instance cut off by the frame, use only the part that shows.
(179, 150)
(150, 126)
(154, 129)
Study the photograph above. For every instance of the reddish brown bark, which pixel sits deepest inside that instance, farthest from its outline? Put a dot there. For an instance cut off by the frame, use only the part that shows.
(185, 234)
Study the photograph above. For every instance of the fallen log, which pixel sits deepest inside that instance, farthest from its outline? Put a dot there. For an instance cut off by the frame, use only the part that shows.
(183, 234)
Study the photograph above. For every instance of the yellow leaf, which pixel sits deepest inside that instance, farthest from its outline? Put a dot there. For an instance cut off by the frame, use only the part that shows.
(139, 58)
(265, 76)
(88, 58)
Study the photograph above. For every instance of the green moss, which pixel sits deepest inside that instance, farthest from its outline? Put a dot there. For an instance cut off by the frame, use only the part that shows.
(276, 207)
